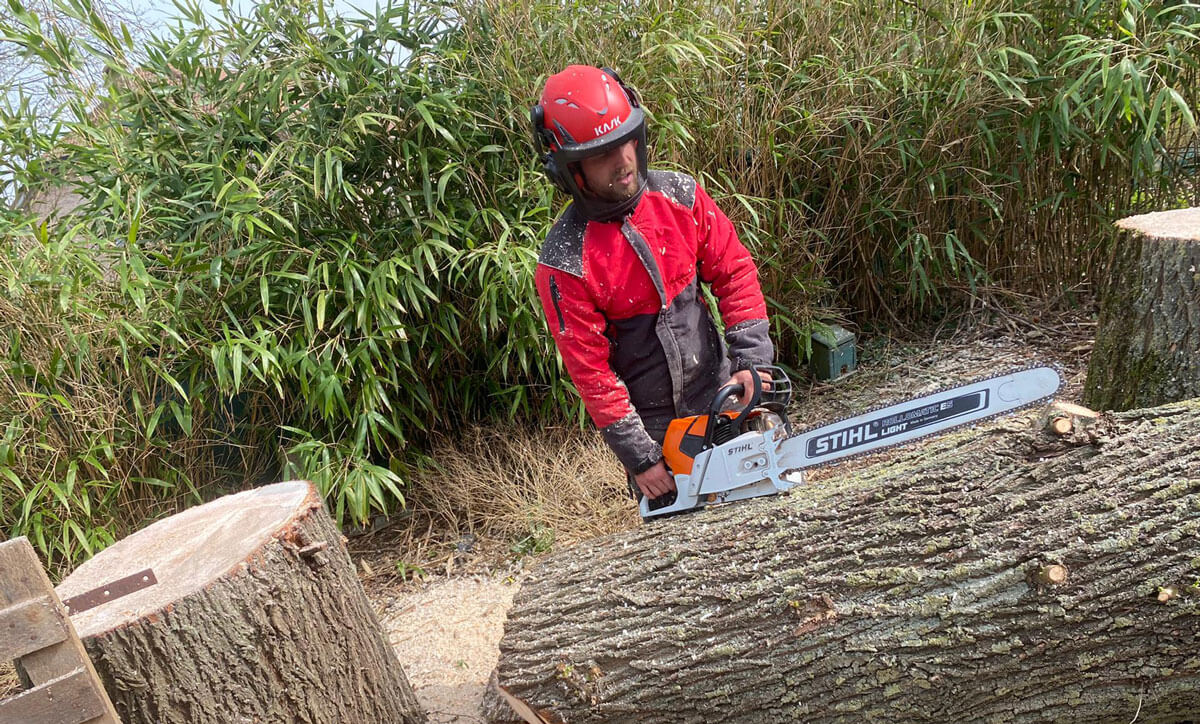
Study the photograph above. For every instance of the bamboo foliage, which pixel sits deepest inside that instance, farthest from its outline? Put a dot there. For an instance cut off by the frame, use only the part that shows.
(306, 241)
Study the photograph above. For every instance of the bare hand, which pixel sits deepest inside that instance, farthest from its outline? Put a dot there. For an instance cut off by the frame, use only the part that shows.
(656, 481)
(745, 378)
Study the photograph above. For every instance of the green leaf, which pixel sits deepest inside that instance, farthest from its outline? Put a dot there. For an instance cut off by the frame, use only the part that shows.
(1184, 109)
(152, 423)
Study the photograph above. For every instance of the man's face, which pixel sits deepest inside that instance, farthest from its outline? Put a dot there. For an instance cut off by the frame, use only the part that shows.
(612, 175)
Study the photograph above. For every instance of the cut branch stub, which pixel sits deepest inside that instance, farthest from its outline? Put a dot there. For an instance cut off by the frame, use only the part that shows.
(1053, 575)
(1147, 349)
(257, 615)
(1063, 418)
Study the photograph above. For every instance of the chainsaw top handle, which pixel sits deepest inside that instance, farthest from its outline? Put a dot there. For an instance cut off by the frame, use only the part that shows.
(723, 394)
(775, 398)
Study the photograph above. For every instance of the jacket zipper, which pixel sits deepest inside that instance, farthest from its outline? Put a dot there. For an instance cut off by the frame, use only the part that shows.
(556, 297)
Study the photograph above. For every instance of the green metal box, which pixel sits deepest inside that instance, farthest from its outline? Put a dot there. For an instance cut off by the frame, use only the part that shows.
(833, 353)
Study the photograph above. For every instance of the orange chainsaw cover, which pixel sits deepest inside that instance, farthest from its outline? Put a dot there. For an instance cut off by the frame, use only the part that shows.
(680, 429)
(685, 440)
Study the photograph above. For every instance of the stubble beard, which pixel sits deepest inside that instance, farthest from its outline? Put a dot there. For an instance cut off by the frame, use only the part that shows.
(616, 190)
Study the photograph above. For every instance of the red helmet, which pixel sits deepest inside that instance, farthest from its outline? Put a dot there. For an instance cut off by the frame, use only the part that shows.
(585, 111)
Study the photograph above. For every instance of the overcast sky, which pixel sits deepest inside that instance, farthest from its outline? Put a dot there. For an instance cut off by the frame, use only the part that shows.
(159, 12)
(146, 17)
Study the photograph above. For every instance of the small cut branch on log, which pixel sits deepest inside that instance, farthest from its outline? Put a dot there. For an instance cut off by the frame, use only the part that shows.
(1064, 418)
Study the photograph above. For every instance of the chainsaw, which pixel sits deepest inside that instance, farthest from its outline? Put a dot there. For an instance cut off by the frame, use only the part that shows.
(729, 455)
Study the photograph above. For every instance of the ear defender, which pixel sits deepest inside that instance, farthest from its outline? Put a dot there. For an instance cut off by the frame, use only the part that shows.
(544, 140)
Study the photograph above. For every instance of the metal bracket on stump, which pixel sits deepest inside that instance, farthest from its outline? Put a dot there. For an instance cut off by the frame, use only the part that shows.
(110, 591)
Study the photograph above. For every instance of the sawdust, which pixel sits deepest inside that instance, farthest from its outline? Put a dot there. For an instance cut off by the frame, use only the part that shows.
(447, 630)
(447, 637)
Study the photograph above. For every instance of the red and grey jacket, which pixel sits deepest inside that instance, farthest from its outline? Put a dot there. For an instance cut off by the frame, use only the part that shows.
(623, 303)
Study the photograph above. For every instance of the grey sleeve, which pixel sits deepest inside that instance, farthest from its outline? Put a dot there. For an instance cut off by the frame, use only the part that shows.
(634, 447)
(749, 344)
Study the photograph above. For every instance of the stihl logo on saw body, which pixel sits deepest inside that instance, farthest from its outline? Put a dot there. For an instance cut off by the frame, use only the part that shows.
(858, 435)
(747, 447)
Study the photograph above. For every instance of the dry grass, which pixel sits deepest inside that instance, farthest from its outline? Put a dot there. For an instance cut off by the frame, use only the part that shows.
(10, 685)
(517, 484)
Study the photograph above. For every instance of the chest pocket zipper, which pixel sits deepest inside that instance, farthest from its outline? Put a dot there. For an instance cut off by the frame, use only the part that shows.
(556, 297)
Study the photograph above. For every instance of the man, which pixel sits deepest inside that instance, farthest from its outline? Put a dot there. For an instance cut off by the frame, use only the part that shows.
(619, 276)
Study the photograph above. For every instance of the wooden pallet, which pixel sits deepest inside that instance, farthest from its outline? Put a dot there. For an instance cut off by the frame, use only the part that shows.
(36, 632)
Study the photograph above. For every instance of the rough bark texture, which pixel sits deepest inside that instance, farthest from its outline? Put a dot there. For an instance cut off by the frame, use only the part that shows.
(915, 590)
(284, 633)
(1148, 341)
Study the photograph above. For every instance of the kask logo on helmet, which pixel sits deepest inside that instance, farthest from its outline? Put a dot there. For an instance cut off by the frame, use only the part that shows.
(604, 128)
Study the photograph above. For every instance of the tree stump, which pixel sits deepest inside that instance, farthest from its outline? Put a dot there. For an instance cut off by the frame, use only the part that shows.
(257, 616)
(1018, 577)
(1147, 349)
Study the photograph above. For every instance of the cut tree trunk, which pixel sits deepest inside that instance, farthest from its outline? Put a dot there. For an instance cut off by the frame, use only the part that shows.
(1147, 348)
(257, 616)
(1009, 575)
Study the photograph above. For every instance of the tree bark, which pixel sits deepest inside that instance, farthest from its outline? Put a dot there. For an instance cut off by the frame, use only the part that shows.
(257, 616)
(1147, 348)
(1011, 575)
